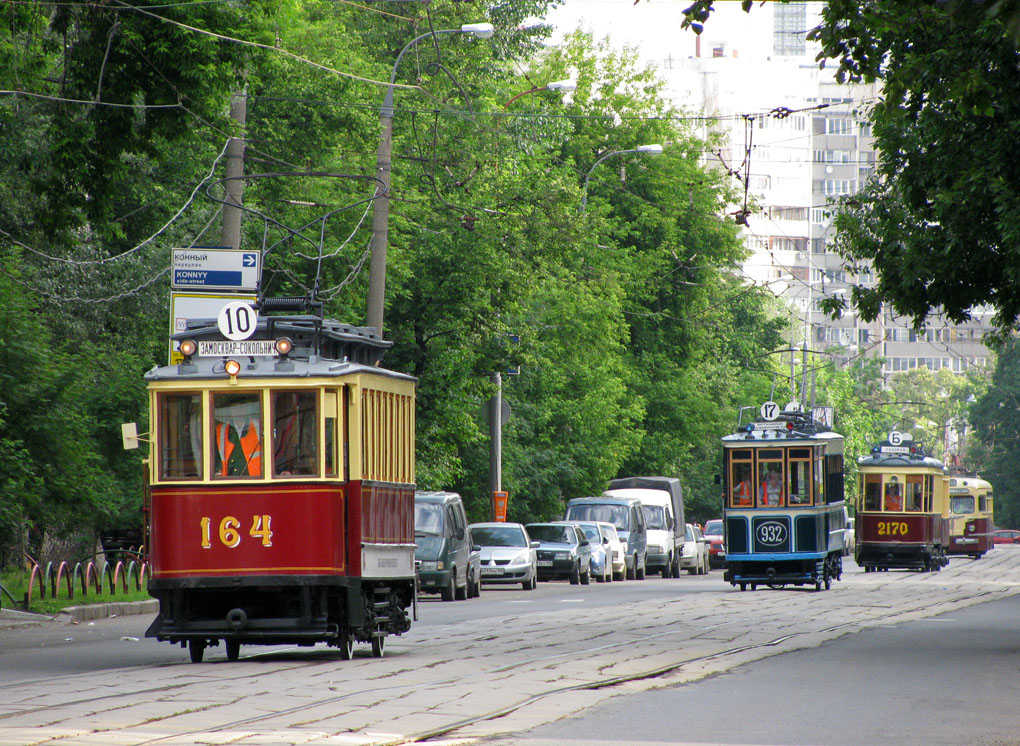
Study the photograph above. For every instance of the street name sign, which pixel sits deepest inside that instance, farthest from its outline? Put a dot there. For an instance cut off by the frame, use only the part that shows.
(215, 269)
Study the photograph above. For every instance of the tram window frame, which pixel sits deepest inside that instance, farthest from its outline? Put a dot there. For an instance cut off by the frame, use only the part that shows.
(799, 463)
(741, 496)
(872, 492)
(216, 419)
(819, 475)
(929, 493)
(766, 460)
(332, 429)
(914, 493)
(892, 495)
(300, 464)
(189, 430)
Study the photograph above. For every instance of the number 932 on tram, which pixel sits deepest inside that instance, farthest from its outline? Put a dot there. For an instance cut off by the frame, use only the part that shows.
(902, 507)
(280, 491)
(783, 502)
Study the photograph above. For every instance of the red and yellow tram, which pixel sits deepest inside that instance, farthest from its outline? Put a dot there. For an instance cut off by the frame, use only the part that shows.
(280, 499)
(902, 508)
(971, 506)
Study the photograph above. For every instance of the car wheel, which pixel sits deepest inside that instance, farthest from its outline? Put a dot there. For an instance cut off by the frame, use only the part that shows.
(449, 592)
(586, 576)
(632, 570)
(676, 567)
(575, 574)
(640, 572)
(461, 594)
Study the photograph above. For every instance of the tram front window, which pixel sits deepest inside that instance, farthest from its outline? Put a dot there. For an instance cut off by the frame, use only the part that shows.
(800, 476)
(237, 435)
(915, 494)
(180, 436)
(873, 492)
(893, 498)
(295, 434)
(743, 490)
(963, 505)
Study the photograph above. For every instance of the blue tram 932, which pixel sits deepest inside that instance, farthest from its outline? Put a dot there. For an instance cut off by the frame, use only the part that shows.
(783, 501)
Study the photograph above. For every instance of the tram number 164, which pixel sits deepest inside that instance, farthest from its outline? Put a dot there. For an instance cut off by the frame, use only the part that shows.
(892, 528)
(230, 531)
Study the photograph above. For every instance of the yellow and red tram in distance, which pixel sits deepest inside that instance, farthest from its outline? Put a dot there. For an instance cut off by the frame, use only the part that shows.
(902, 508)
(280, 496)
(971, 506)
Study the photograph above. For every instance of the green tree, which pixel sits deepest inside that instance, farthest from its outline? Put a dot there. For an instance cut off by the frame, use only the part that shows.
(996, 422)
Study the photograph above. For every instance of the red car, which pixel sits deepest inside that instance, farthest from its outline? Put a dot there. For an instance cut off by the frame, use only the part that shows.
(1006, 536)
(716, 543)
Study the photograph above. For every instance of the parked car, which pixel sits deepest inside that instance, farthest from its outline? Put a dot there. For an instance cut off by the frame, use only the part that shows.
(695, 556)
(507, 553)
(602, 550)
(442, 545)
(626, 514)
(716, 543)
(1005, 536)
(850, 537)
(564, 552)
(474, 589)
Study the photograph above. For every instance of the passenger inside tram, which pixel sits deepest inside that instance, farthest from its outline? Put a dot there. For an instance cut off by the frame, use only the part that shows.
(893, 498)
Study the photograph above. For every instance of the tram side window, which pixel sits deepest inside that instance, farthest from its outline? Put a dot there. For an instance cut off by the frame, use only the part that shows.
(295, 433)
(331, 412)
(819, 475)
(893, 496)
(873, 492)
(772, 488)
(741, 479)
(237, 435)
(800, 476)
(915, 494)
(180, 436)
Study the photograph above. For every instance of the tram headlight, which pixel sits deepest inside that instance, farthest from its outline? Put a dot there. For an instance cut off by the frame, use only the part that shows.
(283, 346)
(232, 367)
(188, 348)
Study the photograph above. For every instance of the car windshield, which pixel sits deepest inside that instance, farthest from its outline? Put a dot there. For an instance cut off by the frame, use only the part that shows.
(428, 519)
(689, 533)
(592, 532)
(655, 517)
(714, 527)
(545, 532)
(610, 530)
(607, 513)
(498, 536)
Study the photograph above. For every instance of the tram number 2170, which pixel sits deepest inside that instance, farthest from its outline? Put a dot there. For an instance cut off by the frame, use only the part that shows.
(892, 528)
(230, 531)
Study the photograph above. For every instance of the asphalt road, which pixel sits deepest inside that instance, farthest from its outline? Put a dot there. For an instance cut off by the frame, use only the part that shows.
(946, 680)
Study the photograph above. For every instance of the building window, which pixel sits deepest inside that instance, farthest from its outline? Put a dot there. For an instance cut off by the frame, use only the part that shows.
(838, 126)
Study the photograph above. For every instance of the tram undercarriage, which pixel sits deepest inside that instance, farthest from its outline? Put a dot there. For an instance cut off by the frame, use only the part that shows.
(925, 558)
(264, 611)
(818, 572)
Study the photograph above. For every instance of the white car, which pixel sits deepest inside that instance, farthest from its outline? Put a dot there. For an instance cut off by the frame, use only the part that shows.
(508, 554)
(695, 556)
(616, 546)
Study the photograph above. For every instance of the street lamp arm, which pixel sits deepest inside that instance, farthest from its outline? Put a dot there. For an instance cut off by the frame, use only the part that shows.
(655, 149)
(387, 107)
(561, 85)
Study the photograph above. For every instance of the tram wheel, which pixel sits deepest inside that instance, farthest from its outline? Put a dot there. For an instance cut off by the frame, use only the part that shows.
(828, 582)
(346, 645)
(743, 586)
(378, 646)
(233, 649)
(196, 649)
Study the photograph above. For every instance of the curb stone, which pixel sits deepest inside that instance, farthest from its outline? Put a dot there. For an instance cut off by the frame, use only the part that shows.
(12, 618)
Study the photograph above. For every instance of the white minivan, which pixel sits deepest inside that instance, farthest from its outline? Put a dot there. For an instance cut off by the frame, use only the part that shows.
(663, 507)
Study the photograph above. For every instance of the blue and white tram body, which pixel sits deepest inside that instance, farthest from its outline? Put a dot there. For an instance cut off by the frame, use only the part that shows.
(783, 502)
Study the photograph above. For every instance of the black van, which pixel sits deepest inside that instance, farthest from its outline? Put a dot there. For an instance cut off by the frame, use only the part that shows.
(443, 552)
(626, 514)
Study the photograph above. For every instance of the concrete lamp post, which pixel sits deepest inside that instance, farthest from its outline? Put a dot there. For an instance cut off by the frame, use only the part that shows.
(655, 149)
(381, 208)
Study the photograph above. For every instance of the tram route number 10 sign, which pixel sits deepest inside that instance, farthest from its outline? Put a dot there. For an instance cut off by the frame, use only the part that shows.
(237, 320)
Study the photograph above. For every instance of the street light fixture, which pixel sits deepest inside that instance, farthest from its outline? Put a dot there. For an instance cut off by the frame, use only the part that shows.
(383, 165)
(654, 149)
(557, 85)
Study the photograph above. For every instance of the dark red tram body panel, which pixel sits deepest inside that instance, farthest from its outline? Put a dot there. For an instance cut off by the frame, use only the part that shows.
(976, 538)
(899, 539)
(304, 533)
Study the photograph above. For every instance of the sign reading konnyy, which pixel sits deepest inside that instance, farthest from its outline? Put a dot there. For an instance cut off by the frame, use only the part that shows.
(215, 269)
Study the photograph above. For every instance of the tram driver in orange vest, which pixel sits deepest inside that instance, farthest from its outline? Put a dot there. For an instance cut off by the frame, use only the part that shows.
(239, 453)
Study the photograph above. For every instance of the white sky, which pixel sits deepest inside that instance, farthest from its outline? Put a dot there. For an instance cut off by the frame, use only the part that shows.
(652, 27)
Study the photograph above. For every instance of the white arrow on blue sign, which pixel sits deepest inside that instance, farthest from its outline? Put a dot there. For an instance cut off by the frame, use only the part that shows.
(215, 269)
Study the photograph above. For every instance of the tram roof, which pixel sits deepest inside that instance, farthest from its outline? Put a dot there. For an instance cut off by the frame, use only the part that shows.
(905, 453)
(321, 348)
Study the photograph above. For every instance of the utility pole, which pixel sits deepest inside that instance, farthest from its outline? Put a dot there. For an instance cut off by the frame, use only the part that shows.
(496, 439)
(234, 184)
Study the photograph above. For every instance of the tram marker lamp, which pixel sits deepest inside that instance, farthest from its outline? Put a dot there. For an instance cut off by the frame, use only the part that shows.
(283, 347)
(232, 367)
(188, 348)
